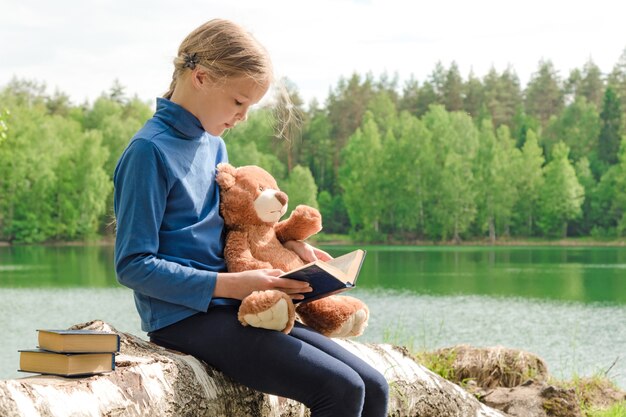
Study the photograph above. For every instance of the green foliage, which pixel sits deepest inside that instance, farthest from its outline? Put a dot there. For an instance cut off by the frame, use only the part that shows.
(4, 128)
(544, 94)
(616, 410)
(561, 196)
(301, 188)
(334, 215)
(361, 180)
(55, 165)
(530, 180)
(251, 143)
(439, 159)
(578, 126)
(610, 134)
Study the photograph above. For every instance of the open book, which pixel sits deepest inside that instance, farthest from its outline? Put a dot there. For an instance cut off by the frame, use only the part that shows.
(330, 277)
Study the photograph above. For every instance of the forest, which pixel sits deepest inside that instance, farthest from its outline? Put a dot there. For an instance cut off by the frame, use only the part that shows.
(445, 159)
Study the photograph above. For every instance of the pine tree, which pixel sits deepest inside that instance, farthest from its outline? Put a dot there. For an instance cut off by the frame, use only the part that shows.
(610, 132)
(544, 97)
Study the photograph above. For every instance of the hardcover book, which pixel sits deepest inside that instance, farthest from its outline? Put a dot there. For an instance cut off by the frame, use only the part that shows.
(66, 364)
(77, 341)
(330, 277)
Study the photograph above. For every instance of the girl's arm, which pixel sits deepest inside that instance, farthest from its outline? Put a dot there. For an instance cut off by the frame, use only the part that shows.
(142, 184)
(240, 284)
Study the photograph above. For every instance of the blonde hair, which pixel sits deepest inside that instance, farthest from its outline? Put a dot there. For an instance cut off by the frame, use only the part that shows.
(224, 49)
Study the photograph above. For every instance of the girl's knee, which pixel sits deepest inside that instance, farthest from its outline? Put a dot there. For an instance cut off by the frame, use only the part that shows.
(354, 391)
(378, 387)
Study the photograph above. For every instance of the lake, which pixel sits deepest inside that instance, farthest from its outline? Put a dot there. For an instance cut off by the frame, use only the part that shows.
(565, 304)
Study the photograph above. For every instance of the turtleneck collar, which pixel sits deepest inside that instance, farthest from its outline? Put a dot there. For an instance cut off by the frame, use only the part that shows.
(179, 118)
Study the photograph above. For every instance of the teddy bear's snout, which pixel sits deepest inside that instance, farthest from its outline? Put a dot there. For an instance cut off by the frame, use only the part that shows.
(282, 197)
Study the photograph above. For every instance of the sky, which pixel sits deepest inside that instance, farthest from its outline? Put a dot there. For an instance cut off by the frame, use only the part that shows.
(80, 47)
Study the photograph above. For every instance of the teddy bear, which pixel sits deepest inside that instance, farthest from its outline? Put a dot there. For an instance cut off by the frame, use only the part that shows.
(252, 205)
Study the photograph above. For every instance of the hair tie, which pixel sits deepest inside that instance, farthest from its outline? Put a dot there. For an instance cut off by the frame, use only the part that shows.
(190, 60)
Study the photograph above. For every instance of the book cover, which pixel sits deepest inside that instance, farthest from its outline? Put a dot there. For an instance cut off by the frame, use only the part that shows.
(331, 277)
(77, 341)
(66, 364)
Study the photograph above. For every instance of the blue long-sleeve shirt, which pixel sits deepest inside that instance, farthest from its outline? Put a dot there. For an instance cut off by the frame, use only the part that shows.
(169, 244)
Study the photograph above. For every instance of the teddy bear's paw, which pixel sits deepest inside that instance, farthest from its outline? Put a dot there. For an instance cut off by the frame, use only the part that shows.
(303, 222)
(354, 325)
(335, 316)
(272, 310)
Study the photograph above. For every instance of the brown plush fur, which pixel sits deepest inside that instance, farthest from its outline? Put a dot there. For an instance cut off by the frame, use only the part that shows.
(252, 243)
(264, 300)
(327, 315)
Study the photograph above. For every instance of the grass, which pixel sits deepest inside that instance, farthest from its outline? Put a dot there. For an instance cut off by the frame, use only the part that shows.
(595, 396)
(439, 363)
(617, 410)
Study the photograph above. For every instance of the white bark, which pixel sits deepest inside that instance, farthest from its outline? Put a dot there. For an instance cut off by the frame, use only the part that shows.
(152, 381)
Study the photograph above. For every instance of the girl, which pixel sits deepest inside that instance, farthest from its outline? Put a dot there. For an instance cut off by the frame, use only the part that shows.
(169, 238)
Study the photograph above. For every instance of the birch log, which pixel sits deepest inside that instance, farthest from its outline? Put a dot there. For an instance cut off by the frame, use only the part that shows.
(152, 381)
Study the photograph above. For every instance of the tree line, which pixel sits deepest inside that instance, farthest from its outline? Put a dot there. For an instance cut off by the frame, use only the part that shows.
(442, 159)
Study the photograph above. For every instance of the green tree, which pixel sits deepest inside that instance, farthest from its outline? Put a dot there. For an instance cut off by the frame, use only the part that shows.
(346, 106)
(502, 96)
(4, 128)
(318, 148)
(250, 143)
(360, 180)
(587, 83)
(82, 187)
(521, 124)
(453, 89)
(334, 215)
(585, 225)
(544, 95)
(384, 111)
(561, 196)
(529, 174)
(474, 95)
(577, 126)
(405, 159)
(451, 208)
(613, 197)
(409, 100)
(300, 187)
(610, 132)
(495, 180)
(617, 81)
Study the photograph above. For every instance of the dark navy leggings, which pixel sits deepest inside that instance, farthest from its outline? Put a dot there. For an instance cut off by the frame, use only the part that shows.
(303, 365)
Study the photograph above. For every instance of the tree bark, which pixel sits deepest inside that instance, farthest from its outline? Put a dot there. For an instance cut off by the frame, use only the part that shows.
(153, 381)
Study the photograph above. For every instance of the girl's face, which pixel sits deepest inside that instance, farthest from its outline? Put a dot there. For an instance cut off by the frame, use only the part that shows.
(221, 106)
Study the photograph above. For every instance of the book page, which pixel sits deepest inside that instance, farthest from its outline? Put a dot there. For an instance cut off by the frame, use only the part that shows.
(348, 264)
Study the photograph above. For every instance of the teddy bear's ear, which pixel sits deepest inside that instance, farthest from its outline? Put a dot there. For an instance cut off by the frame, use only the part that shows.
(225, 175)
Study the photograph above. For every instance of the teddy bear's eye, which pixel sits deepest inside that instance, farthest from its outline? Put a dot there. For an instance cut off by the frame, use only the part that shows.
(261, 189)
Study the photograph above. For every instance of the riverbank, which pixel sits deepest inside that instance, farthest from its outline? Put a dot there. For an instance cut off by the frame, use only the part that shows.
(515, 381)
(345, 240)
(587, 241)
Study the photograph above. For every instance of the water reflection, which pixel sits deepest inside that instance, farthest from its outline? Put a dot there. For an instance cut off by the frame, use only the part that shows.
(568, 274)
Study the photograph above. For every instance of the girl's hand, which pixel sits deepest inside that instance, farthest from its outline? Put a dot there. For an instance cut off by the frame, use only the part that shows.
(307, 252)
(239, 285)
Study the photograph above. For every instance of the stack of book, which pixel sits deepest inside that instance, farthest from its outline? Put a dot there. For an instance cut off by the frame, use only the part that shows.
(71, 353)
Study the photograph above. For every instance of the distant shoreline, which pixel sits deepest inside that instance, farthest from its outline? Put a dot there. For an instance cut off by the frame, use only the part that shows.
(339, 240)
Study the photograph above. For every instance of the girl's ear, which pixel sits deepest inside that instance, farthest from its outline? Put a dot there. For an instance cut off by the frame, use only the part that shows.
(198, 77)
(226, 174)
